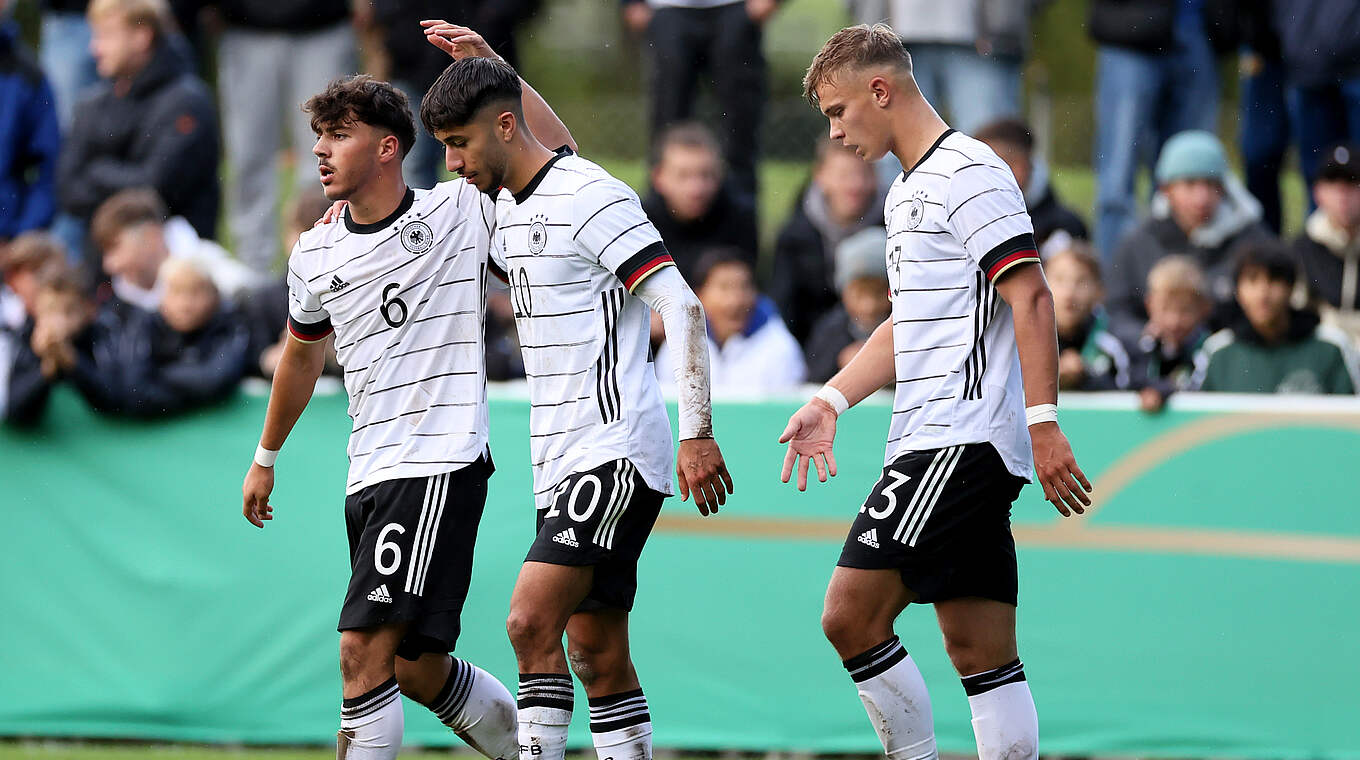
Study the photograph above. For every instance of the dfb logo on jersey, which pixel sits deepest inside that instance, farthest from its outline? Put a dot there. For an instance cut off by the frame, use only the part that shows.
(417, 237)
(916, 211)
(538, 236)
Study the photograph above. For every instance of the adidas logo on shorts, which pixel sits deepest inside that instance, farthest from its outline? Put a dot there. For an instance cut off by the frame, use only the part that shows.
(567, 537)
(869, 538)
(380, 594)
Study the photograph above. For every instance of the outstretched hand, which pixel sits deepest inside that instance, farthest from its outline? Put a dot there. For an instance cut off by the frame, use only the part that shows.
(810, 433)
(458, 41)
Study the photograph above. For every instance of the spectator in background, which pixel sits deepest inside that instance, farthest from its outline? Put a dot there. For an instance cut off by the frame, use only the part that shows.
(1168, 355)
(1200, 211)
(134, 239)
(192, 351)
(413, 63)
(1320, 43)
(838, 202)
(24, 265)
(150, 123)
(273, 55)
(1273, 348)
(750, 350)
(692, 206)
(966, 55)
(265, 309)
(1264, 128)
(64, 51)
(717, 42)
(61, 310)
(862, 281)
(29, 137)
(1329, 248)
(1090, 357)
(1014, 144)
(1155, 77)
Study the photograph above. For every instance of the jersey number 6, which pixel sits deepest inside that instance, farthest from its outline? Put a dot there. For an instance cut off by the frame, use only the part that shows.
(393, 309)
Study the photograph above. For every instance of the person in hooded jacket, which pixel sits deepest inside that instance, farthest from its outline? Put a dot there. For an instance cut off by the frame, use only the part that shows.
(1201, 211)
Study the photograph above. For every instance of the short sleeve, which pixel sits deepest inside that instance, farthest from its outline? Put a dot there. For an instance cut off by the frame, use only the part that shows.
(308, 320)
(987, 214)
(610, 227)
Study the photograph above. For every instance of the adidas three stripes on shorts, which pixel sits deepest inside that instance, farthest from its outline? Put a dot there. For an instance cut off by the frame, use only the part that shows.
(941, 517)
(599, 518)
(410, 546)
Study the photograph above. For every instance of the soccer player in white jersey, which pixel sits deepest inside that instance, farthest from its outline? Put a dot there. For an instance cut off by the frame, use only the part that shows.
(972, 348)
(583, 264)
(401, 285)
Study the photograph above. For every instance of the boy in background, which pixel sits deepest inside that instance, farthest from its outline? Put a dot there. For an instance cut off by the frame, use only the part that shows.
(1168, 355)
(1090, 357)
(1274, 348)
(863, 285)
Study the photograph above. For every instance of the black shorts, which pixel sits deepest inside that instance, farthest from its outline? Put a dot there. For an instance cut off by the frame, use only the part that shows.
(599, 518)
(410, 551)
(942, 518)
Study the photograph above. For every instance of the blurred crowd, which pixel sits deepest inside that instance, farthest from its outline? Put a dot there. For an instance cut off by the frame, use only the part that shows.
(120, 169)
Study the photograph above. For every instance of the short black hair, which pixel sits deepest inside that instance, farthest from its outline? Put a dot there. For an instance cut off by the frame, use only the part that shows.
(365, 100)
(717, 256)
(1270, 256)
(1008, 131)
(465, 87)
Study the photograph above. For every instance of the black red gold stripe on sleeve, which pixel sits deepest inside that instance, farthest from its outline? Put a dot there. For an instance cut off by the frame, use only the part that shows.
(1018, 250)
(643, 263)
(497, 272)
(309, 333)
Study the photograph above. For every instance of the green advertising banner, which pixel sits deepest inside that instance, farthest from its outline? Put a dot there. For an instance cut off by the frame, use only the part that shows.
(1209, 607)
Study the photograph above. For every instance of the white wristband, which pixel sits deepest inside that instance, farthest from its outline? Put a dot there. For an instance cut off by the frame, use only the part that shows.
(1041, 413)
(265, 457)
(833, 397)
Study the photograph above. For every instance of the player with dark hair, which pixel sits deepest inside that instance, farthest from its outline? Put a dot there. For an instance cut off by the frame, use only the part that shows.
(584, 265)
(401, 284)
(972, 348)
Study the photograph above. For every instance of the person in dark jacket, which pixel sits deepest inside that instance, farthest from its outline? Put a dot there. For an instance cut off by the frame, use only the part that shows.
(28, 267)
(414, 64)
(1090, 357)
(863, 284)
(1200, 211)
(1014, 144)
(1329, 248)
(1156, 76)
(191, 353)
(1320, 44)
(1263, 132)
(691, 203)
(29, 139)
(273, 55)
(1273, 348)
(838, 202)
(150, 123)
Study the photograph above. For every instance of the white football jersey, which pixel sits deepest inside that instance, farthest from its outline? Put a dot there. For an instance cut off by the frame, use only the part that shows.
(405, 297)
(956, 222)
(573, 244)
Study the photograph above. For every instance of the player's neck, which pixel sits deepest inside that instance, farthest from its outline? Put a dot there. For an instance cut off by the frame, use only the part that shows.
(915, 131)
(378, 201)
(527, 159)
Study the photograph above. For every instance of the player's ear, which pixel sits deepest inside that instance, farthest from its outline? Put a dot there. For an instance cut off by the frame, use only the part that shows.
(389, 147)
(506, 126)
(881, 90)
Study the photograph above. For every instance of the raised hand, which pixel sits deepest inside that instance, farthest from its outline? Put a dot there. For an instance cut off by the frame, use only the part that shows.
(458, 41)
(809, 434)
